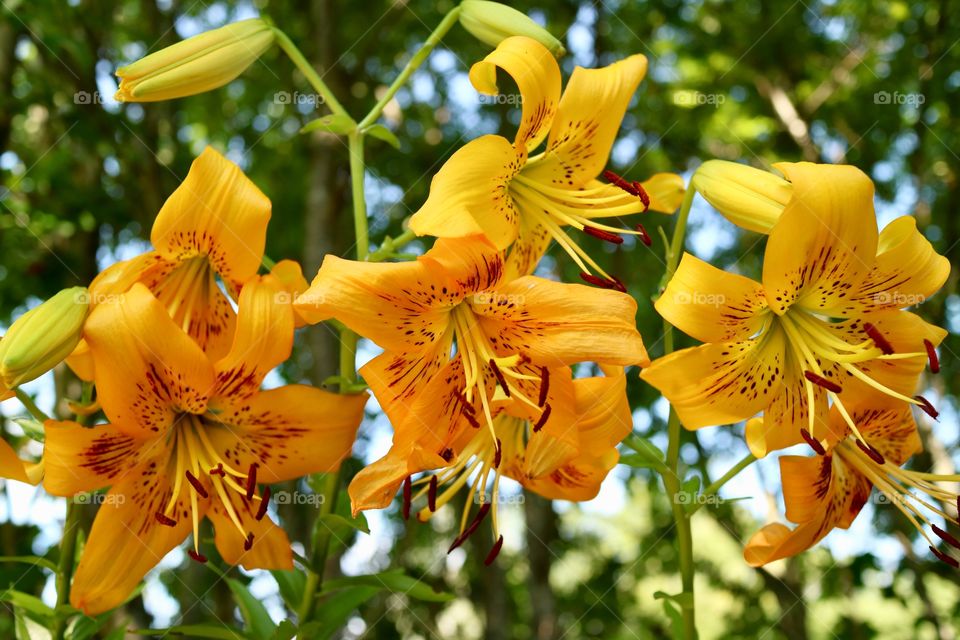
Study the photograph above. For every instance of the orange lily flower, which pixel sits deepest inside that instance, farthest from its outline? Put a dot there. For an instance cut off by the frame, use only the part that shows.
(190, 437)
(213, 225)
(513, 342)
(828, 491)
(824, 325)
(497, 188)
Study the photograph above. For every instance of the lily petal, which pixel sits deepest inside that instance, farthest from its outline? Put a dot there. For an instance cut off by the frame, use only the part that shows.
(587, 121)
(825, 242)
(469, 195)
(80, 459)
(270, 547)
(710, 304)
(147, 369)
(537, 75)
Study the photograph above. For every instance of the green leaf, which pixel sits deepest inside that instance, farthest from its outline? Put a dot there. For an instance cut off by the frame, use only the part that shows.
(291, 584)
(285, 631)
(646, 455)
(37, 560)
(194, 631)
(336, 611)
(676, 620)
(393, 581)
(30, 603)
(84, 627)
(380, 132)
(27, 628)
(338, 123)
(258, 621)
(31, 428)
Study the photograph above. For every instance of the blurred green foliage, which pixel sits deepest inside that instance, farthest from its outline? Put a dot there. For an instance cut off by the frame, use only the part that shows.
(874, 83)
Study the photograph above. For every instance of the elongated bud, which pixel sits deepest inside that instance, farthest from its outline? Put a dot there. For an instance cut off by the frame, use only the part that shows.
(492, 22)
(42, 337)
(201, 63)
(748, 197)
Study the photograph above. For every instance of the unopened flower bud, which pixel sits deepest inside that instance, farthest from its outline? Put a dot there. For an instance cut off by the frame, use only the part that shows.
(748, 197)
(201, 63)
(42, 337)
(492, 22)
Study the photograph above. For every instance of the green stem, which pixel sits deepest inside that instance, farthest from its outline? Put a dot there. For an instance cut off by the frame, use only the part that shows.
(357, 176)
(309, 72)
(31, 406)
(68, 546)
(715, 486)
(388, 247)
(418, 58)
(671, 479)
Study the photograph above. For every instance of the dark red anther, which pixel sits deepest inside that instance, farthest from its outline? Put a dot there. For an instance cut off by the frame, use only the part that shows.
(218, 470)
(195, 483)
(264, 503)
(642, 194)
(248, 542)
(932, 357)
(595, 280)
(484, 510)
(626, 185)
(543, 419)
(198, 557)
(644, 236)
(927, 407)
(165, 520)
(874, 455)
(820, 381)
(407, 497)
(432, 494)
(616, 284)
(251, 480)
(878, 339)
(813, 442)
(494, 551)
(603, 235)
(544, 386)
(498, 455)
(946, 537)
(944, 557)
(499, 375)
(469, 417)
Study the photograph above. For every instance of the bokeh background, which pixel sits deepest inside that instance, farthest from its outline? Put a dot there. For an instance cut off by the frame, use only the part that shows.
(868, 82)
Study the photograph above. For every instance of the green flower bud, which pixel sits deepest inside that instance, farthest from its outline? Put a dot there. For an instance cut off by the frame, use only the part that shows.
(41, 338)
(748, 197)
(492, 22)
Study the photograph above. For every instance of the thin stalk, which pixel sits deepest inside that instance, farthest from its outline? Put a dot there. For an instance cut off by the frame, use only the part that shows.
(68, 546)
(715, 486)
(389, 246)
(31, 406)
(671, 478)
(418, 58)
(309, 72)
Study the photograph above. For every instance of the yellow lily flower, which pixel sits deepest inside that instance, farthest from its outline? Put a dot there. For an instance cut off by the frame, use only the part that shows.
(828, 491)
(512, 338)
(195, 65)
(824, 325)
(13, 467)
(494, 187)
(190, 437)
(213, 226)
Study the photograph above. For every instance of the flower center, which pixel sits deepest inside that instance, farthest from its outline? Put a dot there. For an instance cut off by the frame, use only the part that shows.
(821, 354)
(916, 494)
(186, 292)
(198, 462)
(555, 207)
